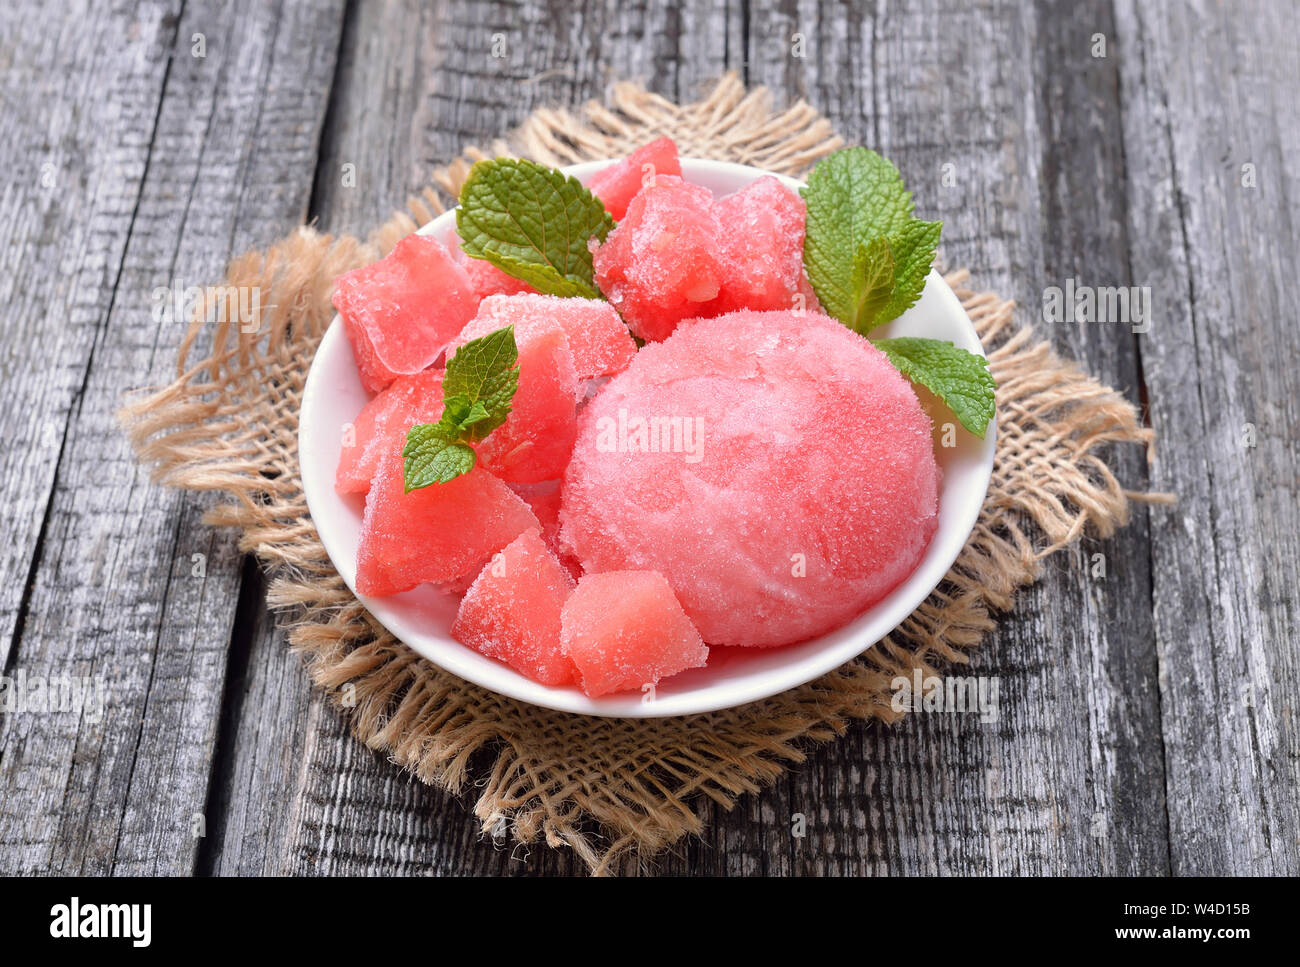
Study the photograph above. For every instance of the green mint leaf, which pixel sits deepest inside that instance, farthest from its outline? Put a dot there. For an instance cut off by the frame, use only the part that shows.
(534, 223)
(852, 197)
(483, 373)
(477, 390)
(459, 412)
(543, 278)
(913, 246)
(433, 455)
(856, 199)
(478, 414)
(873, 284)
(455, 408)
(960, 378)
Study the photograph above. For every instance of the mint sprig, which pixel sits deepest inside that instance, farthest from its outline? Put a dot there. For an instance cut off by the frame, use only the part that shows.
(480, 382)
(868, 258)
(477, 390)
(960, 378)
(865, 255)
(534, 223)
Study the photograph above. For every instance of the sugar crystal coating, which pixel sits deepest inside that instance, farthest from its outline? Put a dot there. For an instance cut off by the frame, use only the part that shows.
(512, 611)
(544, 501)
(773, 466)
(663, 263)
(680, 253)
(600, 343)
(400, 312)
(624, 630)
(764, 248)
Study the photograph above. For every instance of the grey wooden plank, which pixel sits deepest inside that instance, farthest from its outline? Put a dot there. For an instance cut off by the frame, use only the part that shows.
(416, 83)
(80, 106)
(78, 114)
(1119, 817)
(1208, 91)
(119, 593)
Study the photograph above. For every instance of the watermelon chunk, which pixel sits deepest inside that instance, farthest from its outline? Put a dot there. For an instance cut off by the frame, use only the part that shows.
(764, 248)
(624, 630)
(537, 437)
(512, 611)
(600, 343)
(400, 312)
(664, 261)
(617, 184)
(680, 254)
(437, 534)
(381, 427)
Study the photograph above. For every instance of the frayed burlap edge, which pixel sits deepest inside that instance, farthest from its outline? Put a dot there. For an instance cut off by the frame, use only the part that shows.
(602, 787)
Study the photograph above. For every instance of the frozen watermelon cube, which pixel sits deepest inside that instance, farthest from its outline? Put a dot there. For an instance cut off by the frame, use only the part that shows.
(537, 437)
(625, 630)
(617, 184)
(400, 312)
(764, 248)
(664, 262)
(600, 343)
(679, 254)
(436, 534)
(512, 611)
(381, 427)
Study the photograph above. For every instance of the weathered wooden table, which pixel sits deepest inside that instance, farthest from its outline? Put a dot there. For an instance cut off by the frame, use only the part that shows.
(1148, 696)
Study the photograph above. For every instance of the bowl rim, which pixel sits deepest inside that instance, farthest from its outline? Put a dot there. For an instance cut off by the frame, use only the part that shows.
(894, 608)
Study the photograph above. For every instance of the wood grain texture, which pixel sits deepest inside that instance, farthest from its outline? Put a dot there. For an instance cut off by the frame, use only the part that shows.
(132, 589)
(77, 125)
(79, 121)
(1220, 364)
(1147, 717)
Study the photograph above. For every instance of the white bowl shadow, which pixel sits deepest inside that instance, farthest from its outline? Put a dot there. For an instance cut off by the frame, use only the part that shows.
(422, 617)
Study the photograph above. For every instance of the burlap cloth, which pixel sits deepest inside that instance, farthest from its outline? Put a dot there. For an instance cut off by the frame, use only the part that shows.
(602, 787)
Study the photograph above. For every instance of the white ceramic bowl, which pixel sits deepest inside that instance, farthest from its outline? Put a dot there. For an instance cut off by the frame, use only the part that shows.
(422, 617)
